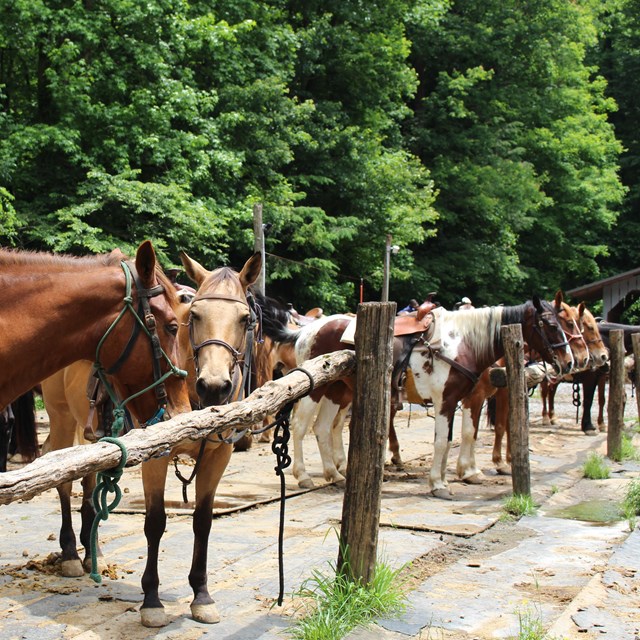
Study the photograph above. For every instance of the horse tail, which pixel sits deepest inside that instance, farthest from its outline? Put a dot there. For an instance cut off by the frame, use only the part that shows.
(491, 411)
(25, 433)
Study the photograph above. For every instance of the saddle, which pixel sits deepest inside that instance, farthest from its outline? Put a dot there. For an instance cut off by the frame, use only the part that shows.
(416, 322)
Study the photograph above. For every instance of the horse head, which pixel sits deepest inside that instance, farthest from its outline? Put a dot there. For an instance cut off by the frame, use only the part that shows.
(571, 323)
(598, 352)
(219, 318)
(546, 336)
(124, 351)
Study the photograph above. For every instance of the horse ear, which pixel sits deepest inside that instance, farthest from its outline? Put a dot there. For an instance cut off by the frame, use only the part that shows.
(581, 309)
(559, 299)
(537, 304)
(146, 264)
(251, 270)
(193, 269)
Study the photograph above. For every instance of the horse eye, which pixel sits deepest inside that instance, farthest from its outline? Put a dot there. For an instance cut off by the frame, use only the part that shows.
(172, 329)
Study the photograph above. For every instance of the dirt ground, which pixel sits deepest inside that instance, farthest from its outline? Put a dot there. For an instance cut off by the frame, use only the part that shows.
(470, 573)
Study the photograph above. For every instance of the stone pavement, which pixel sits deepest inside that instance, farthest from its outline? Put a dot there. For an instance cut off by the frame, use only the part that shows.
(474, 576)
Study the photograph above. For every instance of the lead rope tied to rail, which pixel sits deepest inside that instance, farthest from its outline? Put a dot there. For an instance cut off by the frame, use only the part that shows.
(280, 448)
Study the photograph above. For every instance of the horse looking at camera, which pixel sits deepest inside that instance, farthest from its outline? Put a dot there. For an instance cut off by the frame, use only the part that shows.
(214, 331)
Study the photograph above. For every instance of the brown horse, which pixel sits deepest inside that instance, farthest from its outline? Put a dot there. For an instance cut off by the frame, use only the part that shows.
(213, 335)
(55, 310)
(499, 406)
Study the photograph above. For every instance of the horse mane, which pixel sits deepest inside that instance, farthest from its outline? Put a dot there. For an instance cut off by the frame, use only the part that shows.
(275, 318)
(480, 326)
(54, 262)
(43, 259)
(220, 276)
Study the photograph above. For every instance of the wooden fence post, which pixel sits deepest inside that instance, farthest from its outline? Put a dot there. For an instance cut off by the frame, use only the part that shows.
(635, 341)
(367, 441)
(615, 404)
(513, 345)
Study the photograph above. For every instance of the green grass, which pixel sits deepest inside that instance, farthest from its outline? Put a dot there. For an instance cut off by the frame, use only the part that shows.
(517, 506)
(336, 605)
(627, 449)
(631, 503)
(530, 625)
(595, 468)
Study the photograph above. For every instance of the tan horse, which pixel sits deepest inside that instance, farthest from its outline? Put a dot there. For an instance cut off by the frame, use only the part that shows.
(213, 334)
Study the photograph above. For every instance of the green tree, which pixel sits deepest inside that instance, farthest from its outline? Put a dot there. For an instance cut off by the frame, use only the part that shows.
(513, 125)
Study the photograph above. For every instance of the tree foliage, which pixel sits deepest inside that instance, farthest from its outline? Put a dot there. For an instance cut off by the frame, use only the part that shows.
(478, 135)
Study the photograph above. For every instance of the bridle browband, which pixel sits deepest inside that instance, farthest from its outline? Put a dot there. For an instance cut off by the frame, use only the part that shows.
(144, 322)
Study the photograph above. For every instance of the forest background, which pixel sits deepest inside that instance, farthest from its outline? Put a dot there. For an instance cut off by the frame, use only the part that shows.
(497, 141)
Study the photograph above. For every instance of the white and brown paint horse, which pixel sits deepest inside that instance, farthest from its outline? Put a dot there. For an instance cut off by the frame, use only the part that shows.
(325, 408)
(212, 334)
(447, 360)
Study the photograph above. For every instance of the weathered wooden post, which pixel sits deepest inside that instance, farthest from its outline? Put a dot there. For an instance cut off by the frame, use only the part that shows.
(513, 344)
(367, 441)
(259, 245)
(635, 341)
(615, 405)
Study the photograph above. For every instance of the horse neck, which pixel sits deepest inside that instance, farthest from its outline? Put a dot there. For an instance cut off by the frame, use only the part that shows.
(514, 314)
(60, 319)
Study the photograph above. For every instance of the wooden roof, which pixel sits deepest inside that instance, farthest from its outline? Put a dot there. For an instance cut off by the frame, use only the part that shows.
(595, 290)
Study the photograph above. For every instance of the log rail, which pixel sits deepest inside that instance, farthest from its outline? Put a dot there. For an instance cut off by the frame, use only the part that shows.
(64, 465)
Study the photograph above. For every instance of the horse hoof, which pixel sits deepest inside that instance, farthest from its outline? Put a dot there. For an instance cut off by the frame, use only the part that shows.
(590, 432)
(306, 484)
(397, 461)
(153, 617)
(503, 470)
(476, 478)
(71, 568)
(102, 565)
(205, 613)
(442, 494)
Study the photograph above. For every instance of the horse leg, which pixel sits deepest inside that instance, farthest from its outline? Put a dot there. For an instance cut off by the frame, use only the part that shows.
(588, 391)
(441, 446)
(327, 414)
(5, 434)
(544, 394)
(394, 445)
(154, 476)
(503, 428)
(62, 429)
(601, 403)
(25, 429)
(467, 467)
(212, 466)
(552, 403)
(339, 456)
(302, 416)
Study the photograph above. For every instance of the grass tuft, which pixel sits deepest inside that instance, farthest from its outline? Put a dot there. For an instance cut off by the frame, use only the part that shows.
(595, 467)
(517, 506)
(336, 604)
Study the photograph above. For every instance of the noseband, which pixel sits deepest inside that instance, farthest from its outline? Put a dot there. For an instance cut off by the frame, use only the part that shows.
(144, 322)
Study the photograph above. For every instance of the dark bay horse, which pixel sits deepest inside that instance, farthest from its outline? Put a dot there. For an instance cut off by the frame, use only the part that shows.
(55, 310)
(212, 335)
(447, 360)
